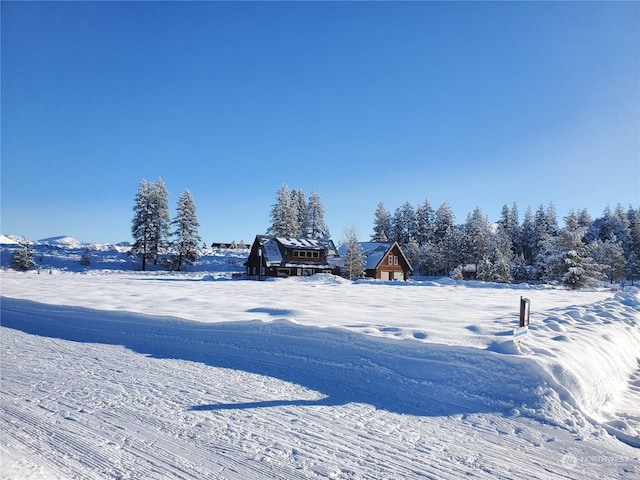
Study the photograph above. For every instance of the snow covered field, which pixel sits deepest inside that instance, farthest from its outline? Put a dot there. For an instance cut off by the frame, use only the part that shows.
(111, 374)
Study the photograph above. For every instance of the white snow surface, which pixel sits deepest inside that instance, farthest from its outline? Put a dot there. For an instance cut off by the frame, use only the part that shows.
(10, 239)
(115, 374)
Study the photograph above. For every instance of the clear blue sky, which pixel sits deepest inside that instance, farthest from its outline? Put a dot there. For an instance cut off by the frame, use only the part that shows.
(478, 104)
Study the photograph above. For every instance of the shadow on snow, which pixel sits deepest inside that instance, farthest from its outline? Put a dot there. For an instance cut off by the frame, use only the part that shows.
(402, 376)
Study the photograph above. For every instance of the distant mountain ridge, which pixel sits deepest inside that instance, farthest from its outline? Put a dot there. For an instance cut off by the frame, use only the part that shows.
(62, 241)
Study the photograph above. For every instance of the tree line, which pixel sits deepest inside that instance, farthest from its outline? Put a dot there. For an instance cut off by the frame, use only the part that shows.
(577, 254)
(580, 253)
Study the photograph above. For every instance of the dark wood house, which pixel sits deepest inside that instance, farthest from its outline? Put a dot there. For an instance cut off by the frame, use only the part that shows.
(385, 261)
(272, 256)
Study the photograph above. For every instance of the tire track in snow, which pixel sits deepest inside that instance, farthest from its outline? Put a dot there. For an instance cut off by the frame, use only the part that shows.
(144, 443)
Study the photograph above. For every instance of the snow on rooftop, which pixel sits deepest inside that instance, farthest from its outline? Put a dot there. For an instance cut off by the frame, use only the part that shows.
(372, 252)
(272, 251)
(291, 242)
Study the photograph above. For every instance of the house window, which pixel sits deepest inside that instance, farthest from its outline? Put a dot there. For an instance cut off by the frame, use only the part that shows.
(390, 259)
(306, 254)
(395, 259)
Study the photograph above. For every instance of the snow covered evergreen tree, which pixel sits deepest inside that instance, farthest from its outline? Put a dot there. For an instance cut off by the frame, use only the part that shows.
(445, 240)
(404, 224)
(610, 256)
(425, 223)
(570, 261)
(160, 203)
(615, 223)
(284, 215)
(300, 206)
(477, 238)
(186, 238)
(585, 221)
(150, 226)
(633, 256)
(427, 259)
(353, 257)
(456, 273)
(141, 228)
(484, 269)
(509, 222)
(528, 237)
(520, 270)
(23, 258)
(315, 217)
(633, 217)
(412, 252)
(545, 233)
(381, 224)
(502, 257)
(293, 216)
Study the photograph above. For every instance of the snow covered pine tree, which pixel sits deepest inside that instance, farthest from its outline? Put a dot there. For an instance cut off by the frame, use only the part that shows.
(185, 244)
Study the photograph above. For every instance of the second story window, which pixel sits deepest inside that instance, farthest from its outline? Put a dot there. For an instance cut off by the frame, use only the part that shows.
(306, 254)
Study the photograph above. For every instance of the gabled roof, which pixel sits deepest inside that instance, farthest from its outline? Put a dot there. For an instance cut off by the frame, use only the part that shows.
(375, 252)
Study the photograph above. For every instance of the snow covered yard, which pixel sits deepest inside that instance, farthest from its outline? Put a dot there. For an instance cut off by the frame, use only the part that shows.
(158, 375)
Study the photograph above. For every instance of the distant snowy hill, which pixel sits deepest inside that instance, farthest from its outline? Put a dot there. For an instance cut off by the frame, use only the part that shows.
(11, 239)
(61, 241)
(66, 253)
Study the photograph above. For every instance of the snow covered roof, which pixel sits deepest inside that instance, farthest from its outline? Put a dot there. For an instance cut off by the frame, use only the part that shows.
(308, 243)
(273, 249)
(373, 252)
(271, 252)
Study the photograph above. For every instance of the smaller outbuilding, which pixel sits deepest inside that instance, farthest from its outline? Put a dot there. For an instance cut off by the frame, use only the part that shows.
(384, 261)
